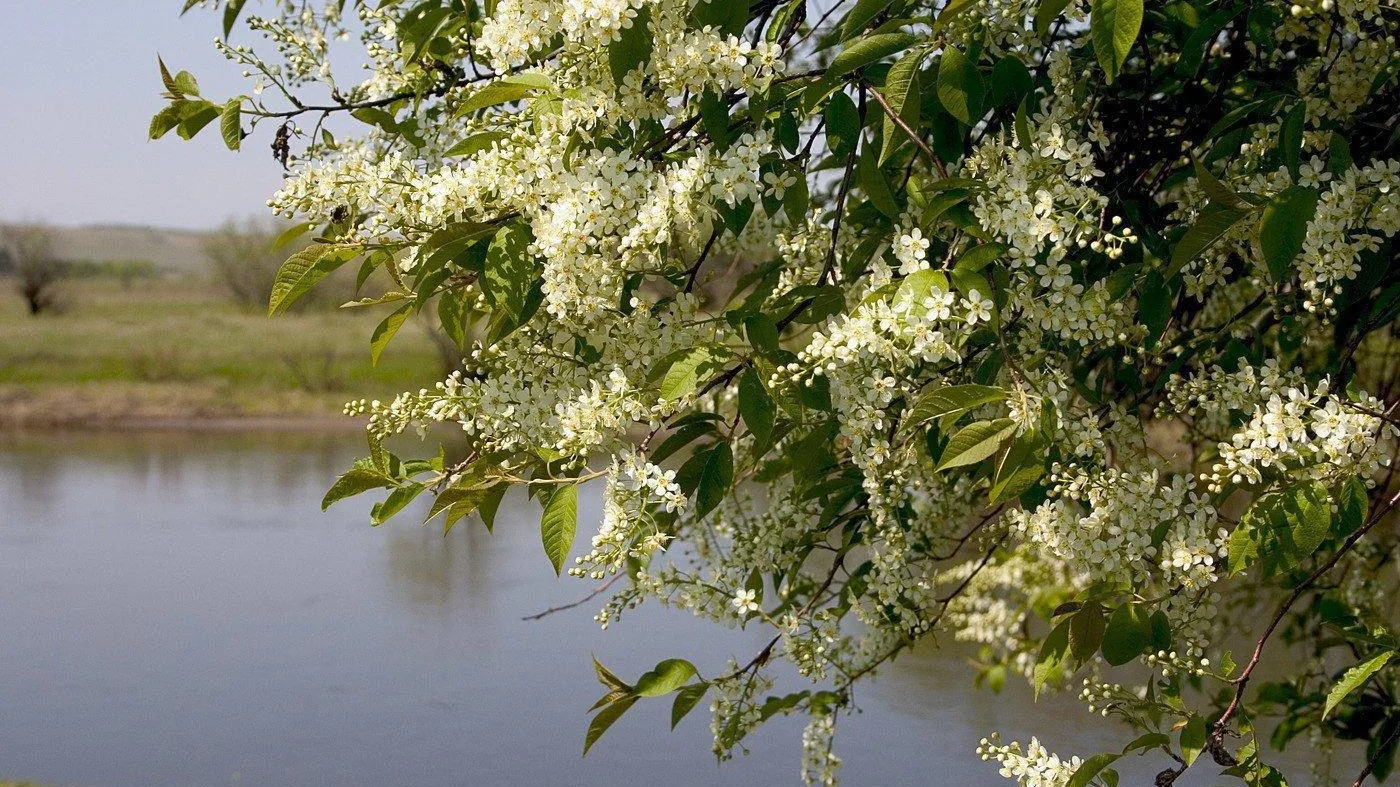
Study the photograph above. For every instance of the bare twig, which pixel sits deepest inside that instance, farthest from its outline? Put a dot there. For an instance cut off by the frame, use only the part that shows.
(598, 591)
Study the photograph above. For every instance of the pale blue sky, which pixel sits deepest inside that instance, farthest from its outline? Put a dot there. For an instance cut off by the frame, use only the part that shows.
(79, 85)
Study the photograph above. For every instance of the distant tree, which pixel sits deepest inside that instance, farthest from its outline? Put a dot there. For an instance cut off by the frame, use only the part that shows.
(37, 272)
(245, 256)
(243, 259)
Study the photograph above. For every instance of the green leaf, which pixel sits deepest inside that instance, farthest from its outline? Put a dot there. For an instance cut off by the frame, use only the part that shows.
(194, 116)
(531, 79)
(185, 84)
(1155, 302)
(948, 400)
(842, 124)
(1051, 656)
(1160, 637)
(604, 719)
(1020, 467)
(1281, 529)
(1210, 226)
(860, 15)
(1193, 739)
(355, 481)
(686, 700)
(1127, 636)
(665, 677)
(230, 123)
(1092, 767)
(303, 270)
(1086, 628)
(1354, 679)
(510, 272)
(633, 47)
(1307, 513)
(979, 257)
(959, 85)
(975, 442)
(1010, 81)
(1046, 12)
(757, 408)
(727, 16)
(231, 12)
(476, 143)
(714, 119)
(462, 500)
(867, 49)
(682, 377)
(502, 91)
(1114, 26)
(386, 330)
(490, 504)
(1284, 227)
(919, 285)
(951, 11)
(608, 679)
(1202, 37)
(164, 120)
(290, 234)
(1242, 551)
(1352, 504)
(873, 181)
(1339, 158)
(1218, 192)
(1290, 138)
(903, 94)
(558, 524)
(715, 479)
(398, 498)
(762, 333)
(1148, 740)
(458, 243)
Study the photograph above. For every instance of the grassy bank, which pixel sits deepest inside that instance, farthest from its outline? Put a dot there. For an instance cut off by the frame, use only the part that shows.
(177, 351)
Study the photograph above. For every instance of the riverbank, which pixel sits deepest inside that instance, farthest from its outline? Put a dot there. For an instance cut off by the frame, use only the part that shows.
(175, 353)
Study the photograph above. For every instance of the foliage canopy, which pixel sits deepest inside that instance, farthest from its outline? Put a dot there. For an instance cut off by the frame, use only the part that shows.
(1061, 327)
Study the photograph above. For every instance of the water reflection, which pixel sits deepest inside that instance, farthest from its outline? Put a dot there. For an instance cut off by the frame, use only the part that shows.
(437, 572)
(178, 611)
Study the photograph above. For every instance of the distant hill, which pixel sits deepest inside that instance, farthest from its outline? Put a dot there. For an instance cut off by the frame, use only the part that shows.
(169, 249)
(172, 250)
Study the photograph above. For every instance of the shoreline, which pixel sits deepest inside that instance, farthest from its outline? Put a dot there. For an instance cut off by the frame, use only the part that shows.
(227, 422)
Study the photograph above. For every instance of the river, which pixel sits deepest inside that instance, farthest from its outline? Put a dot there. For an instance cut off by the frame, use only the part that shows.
(177, 611)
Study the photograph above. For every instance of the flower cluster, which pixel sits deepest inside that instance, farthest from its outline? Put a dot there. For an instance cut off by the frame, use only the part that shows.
(1308, 434)
(1035, 766)
(635, 491)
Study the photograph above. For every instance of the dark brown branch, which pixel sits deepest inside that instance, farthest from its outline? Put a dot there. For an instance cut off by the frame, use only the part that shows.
(1380, 750)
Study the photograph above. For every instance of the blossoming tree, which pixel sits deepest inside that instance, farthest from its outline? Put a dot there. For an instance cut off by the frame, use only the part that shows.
(1060, 327)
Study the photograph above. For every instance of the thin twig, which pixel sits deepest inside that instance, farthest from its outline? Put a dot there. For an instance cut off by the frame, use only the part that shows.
(598, 591)
(1380, 750)
(909, 132)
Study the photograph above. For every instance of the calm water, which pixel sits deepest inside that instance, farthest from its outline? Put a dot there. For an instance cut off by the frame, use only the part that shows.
(176, 610)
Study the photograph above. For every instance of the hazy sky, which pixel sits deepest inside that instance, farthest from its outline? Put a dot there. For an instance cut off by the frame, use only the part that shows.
(79, 85)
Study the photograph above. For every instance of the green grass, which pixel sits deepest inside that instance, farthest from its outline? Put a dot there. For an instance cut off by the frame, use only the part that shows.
(177, 349)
